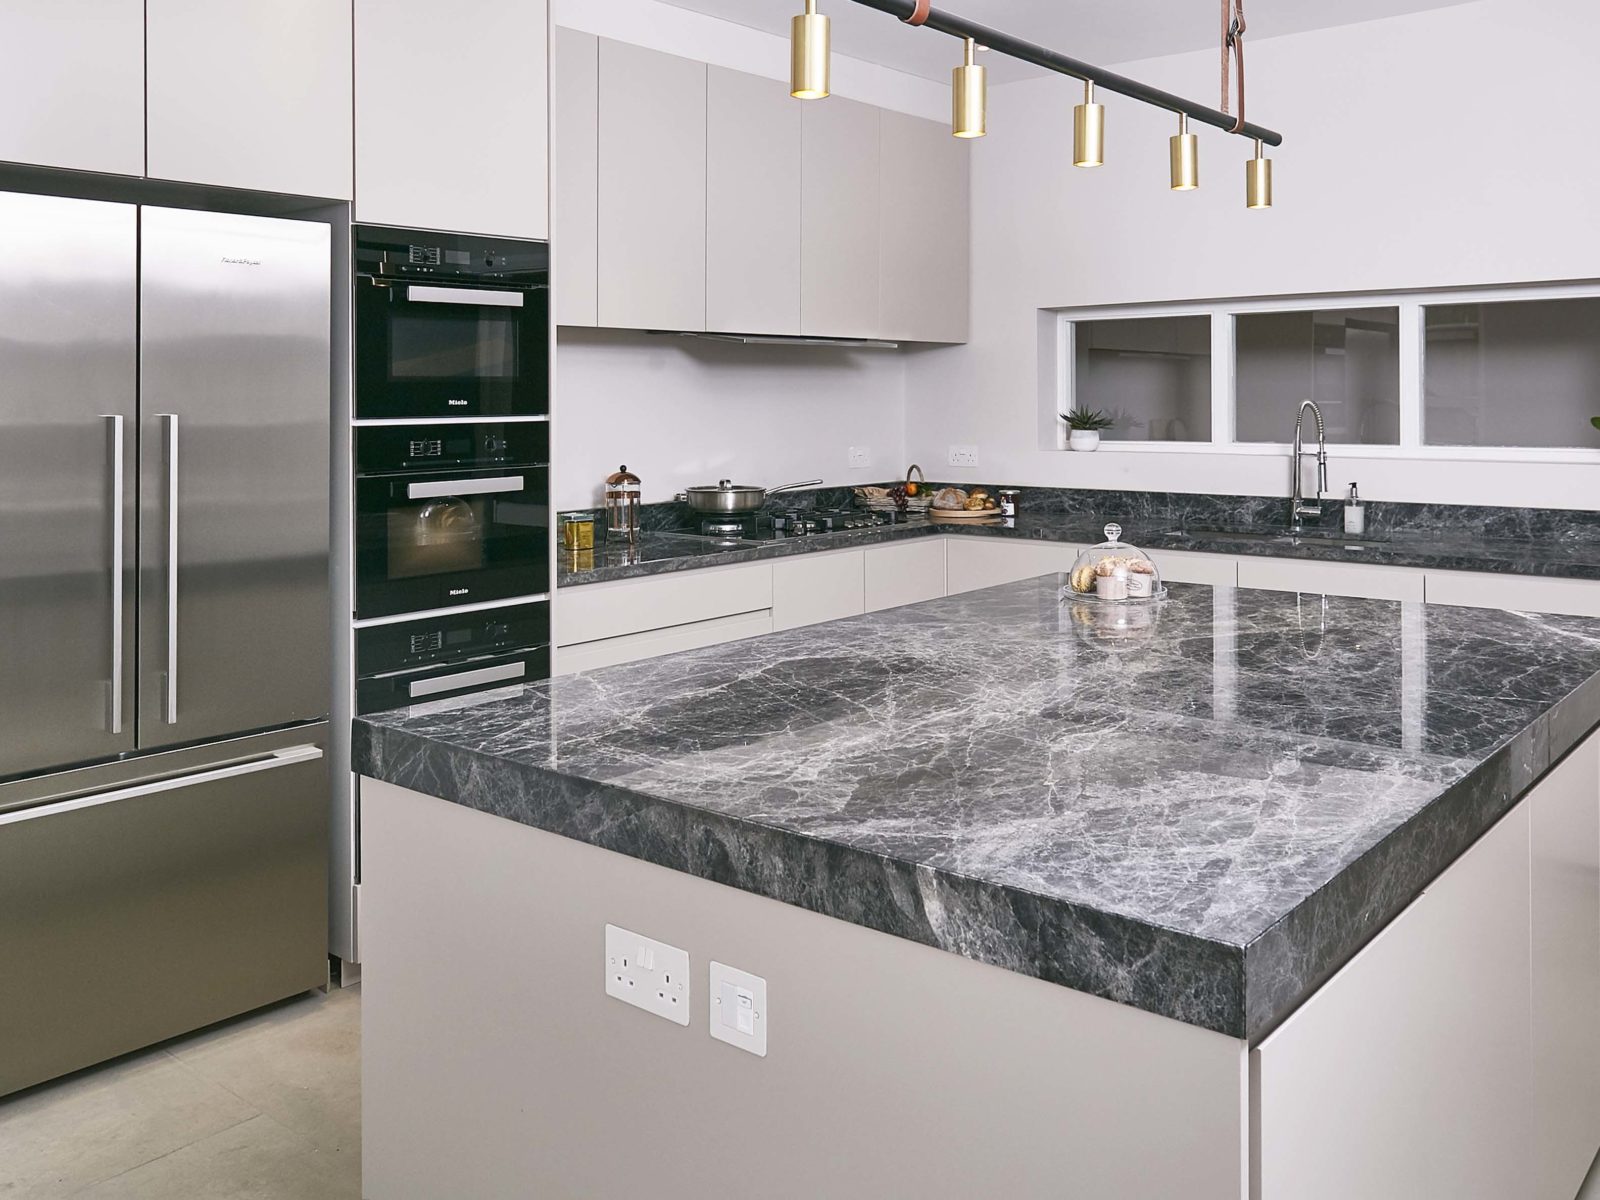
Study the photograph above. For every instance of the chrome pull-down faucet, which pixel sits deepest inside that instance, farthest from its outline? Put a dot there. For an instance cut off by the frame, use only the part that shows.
(1299, 511)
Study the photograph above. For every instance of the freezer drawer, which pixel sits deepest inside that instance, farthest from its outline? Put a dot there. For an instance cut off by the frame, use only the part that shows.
(134, 914)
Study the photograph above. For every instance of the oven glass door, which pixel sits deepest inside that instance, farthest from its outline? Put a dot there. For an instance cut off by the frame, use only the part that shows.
(430, 350)
(438, 540)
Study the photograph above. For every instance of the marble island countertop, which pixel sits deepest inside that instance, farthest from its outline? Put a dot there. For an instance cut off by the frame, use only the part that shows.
(1204, 818)
(663, 552)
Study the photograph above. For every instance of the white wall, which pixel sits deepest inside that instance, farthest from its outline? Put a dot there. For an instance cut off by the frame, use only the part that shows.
(1443, 148)
(681, 411)
(684, 411)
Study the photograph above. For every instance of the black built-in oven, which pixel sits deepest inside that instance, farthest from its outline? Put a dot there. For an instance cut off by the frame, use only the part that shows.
(450, 514)
(450, 326)
(451, 654)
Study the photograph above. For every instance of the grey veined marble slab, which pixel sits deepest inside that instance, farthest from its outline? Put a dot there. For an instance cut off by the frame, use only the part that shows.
(1202, 816)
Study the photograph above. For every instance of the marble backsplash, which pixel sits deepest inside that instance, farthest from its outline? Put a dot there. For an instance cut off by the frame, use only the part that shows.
(1186, 510)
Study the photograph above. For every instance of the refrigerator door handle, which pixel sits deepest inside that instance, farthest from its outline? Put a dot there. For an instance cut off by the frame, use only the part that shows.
(169, 423)
(117, 554)
(278, 758)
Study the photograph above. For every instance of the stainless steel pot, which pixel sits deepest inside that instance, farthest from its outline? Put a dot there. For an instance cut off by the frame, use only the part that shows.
(728, 497)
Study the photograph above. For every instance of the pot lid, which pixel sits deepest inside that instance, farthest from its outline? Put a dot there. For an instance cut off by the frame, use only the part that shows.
(725, 485)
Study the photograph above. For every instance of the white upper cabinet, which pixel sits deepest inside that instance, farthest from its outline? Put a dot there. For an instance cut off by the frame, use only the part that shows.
(73, 86)
(575, 122)
(452, 115)
(250, 95)
(752, 205)
(652, 171)
(924, 217)
(839, 220)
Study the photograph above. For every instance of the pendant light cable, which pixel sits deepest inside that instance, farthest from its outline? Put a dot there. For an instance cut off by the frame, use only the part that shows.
(1233, 27)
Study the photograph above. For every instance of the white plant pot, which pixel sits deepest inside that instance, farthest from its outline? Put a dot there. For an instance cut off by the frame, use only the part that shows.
(1084, 439)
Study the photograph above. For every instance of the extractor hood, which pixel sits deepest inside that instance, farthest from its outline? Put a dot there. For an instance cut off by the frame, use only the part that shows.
(773, 339)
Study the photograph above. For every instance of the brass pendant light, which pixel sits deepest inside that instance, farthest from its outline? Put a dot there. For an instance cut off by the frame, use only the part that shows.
(1185, 157)
(1258, 180)
(969, 102)
(808, 54)
(1088, 130)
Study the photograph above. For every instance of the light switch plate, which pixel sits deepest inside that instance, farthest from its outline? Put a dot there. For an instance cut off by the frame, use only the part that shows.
(738, 1007)
(647, 974)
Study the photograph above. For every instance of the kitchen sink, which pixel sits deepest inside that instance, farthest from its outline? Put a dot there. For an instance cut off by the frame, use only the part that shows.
(1282, 537)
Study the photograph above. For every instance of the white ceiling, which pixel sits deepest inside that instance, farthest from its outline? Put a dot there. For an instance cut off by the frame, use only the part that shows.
(1103, 32)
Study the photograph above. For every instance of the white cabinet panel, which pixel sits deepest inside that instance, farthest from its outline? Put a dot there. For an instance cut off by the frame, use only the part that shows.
(1185, 566)
(250, 95)
(652, 257)
(1409, 1073)
(980, 562)
(452, 115)
(1330, 578)
(575, 166)
(1526, 593)
(1566, 972)
(588, 656)
(925, 230)
(73, 86)
(905, 573)
(811, 588)
(839, 235)
(604, 610)
(752, 204)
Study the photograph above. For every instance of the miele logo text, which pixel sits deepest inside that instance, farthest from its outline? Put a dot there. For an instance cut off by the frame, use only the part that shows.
(242, 262)
(459, 591)
(456, 403)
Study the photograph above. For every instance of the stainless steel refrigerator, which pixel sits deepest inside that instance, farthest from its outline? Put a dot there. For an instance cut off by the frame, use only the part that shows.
(164, 623)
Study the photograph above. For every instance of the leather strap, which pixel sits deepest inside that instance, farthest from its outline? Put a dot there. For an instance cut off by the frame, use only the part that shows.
(919, 14)
(1233, 29)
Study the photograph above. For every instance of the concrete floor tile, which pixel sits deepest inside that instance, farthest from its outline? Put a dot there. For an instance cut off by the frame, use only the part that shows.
(299, 1064)
(256, 1160)
(60, 1137)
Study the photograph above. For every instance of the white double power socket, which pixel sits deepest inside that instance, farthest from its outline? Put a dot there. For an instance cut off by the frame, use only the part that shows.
(647, 974)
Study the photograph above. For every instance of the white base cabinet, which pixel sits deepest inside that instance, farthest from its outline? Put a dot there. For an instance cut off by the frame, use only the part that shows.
(811, 588)
(905, 573)
(980, 562)
(1520, 593)
(1331, 578)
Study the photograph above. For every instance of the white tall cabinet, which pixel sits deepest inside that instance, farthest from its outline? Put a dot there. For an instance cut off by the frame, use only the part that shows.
(575, 134)
(452, 115)
(249, 95)
(73, 86)
(652, 172)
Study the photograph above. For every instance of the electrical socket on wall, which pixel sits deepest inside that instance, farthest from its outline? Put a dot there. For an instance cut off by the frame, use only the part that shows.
(860, 456)
(647, 974)
(963, 456)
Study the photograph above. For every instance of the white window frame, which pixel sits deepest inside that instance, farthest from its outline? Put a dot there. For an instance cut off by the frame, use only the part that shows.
(1223, 374)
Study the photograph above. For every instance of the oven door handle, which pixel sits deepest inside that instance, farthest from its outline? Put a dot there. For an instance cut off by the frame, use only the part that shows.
(461, 679)
(465, 487)
(423, 294)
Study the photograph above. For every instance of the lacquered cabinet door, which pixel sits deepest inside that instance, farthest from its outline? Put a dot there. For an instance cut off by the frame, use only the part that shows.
(752, 205)
(73, 87)
(250, 95)
(234, 474)
(839, 222)
(69, 361)
(452, 111)
(575, 164)
(652, 194)
(924, 216)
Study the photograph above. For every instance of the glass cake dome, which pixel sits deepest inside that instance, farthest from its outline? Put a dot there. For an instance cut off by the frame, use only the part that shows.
(1114, 572)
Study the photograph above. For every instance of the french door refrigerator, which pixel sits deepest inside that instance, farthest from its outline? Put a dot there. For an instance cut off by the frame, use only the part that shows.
(164, 680)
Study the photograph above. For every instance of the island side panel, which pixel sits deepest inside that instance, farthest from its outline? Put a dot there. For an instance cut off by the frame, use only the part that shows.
(495, 1065)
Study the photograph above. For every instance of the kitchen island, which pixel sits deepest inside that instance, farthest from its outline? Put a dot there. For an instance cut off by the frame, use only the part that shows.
(1256, 890)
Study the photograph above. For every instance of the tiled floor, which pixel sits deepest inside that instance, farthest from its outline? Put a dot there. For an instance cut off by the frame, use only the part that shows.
(265, 1107)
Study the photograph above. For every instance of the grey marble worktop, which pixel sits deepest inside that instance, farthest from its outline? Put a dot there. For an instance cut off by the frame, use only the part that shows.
(660, 552)
(1201, 808)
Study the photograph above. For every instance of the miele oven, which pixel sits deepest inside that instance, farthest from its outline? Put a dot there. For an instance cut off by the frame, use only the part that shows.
(450, 514)
(449, 325)
(434, 658)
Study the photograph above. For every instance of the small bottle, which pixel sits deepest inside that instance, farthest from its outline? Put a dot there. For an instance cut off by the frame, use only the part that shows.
(1355, 513)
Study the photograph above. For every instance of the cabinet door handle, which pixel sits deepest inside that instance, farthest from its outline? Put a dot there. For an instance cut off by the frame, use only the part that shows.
(169, 423)
(278, 758)
(118, 550)
(454, 295)
(465, 487)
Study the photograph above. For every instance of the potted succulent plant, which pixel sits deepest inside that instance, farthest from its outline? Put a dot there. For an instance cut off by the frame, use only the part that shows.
(1085, 425)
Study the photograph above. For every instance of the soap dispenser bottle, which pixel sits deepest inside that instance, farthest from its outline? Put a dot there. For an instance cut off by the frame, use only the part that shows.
(1355, 513)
